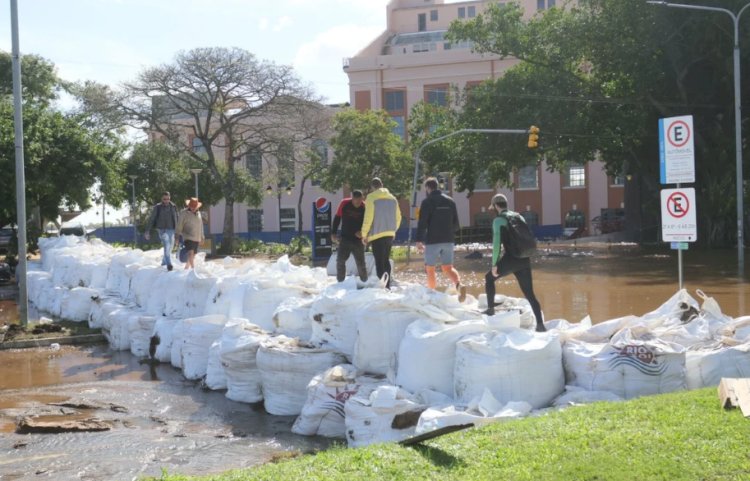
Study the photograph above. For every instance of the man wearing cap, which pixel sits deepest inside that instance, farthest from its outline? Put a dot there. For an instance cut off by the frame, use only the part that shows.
(164, 219)
(190, 227)
(382, 218)
(438, 222)
(350, 214)
(502, 266)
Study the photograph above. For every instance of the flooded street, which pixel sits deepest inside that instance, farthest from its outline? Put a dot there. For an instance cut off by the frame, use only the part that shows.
(607, 281)
(158, 420)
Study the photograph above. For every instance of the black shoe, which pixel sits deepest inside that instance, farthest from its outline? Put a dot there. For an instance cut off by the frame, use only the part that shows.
(541, 328)
(169, 267)
(489, 312)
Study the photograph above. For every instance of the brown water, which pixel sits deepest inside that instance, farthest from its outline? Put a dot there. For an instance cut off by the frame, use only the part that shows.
(606, 281)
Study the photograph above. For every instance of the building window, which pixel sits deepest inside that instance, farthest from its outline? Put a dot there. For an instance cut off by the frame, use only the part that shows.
(433, 15)
(255, 220)
(254, 163)
(550, 3)
(395, 100)
(531, 218)
(576, 176)
(528, 177)
(461, 12)
(575, 219)
(437, 96)
(540, 4)
(422, 22)
(483, 183)
(618, 180)
(287, 219)
(399, 129)
(472, 11)
(198, 147)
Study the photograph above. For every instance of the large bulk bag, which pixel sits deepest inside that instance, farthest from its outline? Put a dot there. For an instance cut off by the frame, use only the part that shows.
(101, 307)
(140, 329)
(351, 266)
(178, 334)
(706, 367)
(626, 366)
(260, 304)
(516, 365)
(117, 280)
(388, 414)
(76, 304)
(115, 327)
(37, 285)
(199, 333)
(240, 341)
(216, 378)
(380, 329)
(226, 297)
(292, 318)
(162, 337)
(286, 368)
(143, 281)
(427, 354)
(323, 412)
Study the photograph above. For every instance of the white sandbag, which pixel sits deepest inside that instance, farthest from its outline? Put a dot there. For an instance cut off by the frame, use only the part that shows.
(140, 330)
(99, 271)
(380, 330)
(515, 365)
(162, 337)
(226, 297)
(187, 294)
(178, 335)
(574, 395)
(37, 284)
(100, 307)
(215, 376)
(387, 414)
(740, 328)
(54, 305)
(334, 315)
(76, 304)
(199, 334)
(163, 285)
(240, 341)
(351, 265)
(482, 411)
(627, 366)
(115, 327)
(260, 304)
(323, 412)
(292, 318)
(142, 284)
(706, 367)
(286, 368)
(603, 331)
(427, 354)
(505, 303)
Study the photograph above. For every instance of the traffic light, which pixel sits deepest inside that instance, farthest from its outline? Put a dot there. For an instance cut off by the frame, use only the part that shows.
(533, 137)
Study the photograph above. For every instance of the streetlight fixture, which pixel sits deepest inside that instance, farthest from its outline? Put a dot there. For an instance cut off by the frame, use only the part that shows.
(195, 173)
(737, 119)
(135, 229)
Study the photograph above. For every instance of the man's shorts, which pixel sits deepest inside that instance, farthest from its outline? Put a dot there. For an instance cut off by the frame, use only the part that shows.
(444, 251)
(191, 245)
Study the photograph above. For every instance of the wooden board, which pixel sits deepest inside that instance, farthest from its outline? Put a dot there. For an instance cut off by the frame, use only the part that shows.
(735, 392)
(434, 434)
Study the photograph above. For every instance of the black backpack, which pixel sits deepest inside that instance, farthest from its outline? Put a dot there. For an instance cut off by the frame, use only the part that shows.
(520, 240)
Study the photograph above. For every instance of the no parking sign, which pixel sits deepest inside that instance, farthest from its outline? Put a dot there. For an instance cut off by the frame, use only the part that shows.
(678, 219)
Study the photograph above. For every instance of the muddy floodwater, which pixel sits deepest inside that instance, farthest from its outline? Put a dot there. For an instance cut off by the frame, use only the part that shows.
(607, 281)
(158, 420)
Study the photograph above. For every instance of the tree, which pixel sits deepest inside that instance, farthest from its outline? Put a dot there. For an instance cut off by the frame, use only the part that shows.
(594, 97)
(63, 157)
(217, 105)
(365, 146)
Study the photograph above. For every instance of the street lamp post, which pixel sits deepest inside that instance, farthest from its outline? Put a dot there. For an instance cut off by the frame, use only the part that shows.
(135, 229)
(195, 173)
(737, 119)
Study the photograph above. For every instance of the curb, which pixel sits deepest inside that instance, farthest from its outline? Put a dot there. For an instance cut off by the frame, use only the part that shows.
(47, 341)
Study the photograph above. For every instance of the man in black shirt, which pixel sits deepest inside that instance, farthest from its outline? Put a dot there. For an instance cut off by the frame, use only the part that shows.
(350, 214)
(438, 222)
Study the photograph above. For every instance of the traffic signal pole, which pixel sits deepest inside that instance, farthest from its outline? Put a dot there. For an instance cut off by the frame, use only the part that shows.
(531, 131)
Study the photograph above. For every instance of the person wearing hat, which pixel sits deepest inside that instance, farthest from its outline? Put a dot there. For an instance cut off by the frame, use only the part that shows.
(507, 264)
(190, 227)
(382, 218)
(438, 223)
(164, 219)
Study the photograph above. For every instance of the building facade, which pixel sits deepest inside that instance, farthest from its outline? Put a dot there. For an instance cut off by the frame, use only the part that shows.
(411, 61)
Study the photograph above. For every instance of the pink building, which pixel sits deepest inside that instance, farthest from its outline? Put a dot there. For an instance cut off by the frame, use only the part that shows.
(410, 61)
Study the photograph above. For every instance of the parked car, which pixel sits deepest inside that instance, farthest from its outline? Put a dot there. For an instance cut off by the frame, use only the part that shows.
(5, 273)
(6, 236)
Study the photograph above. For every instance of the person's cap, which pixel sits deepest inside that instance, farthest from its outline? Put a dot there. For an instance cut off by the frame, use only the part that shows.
(193, 203)
(498, 199)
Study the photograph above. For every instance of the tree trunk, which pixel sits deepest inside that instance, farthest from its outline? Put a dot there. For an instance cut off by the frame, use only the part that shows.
(228, 231)
(299, 205)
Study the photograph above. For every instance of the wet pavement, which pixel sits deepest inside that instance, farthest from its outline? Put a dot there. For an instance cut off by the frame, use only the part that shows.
(158, 420)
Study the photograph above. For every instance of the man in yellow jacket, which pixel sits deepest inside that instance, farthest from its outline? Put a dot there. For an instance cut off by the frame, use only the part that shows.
(382, 219)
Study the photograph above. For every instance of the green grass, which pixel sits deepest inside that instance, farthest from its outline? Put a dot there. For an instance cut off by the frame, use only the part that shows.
(680, 436)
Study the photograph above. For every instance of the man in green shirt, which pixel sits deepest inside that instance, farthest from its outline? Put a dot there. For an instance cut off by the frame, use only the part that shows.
(502, 266)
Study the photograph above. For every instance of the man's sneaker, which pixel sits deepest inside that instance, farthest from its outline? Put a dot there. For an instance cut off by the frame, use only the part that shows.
(489, 312)
(169, 267)
(461, 292)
